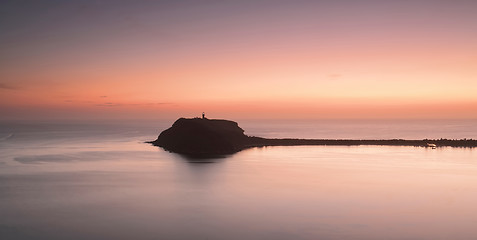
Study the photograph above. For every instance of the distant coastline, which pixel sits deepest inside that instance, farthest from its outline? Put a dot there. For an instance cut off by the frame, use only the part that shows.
(257, 141)
(202, 136)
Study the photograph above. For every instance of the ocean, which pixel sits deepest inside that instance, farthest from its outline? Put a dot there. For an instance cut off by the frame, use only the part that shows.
(100, 180)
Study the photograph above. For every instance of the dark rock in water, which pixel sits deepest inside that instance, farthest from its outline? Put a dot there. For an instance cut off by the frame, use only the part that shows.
(202, 136)
(212, 137)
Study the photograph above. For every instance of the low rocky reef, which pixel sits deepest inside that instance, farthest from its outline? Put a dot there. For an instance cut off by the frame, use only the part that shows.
(202, 136)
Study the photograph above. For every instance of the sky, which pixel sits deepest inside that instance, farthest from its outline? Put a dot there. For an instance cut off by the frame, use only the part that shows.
(238, 59)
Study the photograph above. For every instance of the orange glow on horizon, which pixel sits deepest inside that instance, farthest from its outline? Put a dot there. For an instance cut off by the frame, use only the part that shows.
(355, 63)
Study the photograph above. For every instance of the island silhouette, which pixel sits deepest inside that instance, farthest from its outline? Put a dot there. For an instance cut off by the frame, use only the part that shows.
(206, 137)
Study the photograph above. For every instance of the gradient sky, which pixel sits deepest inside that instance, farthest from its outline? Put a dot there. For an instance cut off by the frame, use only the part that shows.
(238, 59)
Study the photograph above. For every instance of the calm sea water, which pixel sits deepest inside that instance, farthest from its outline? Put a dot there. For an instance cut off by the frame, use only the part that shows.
(100, 181)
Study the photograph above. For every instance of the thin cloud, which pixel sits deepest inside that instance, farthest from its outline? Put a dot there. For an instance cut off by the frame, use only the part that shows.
(7, 86)
(158, 103)
(109, 104)
(153, 104)
(334, 76)
(104, 96)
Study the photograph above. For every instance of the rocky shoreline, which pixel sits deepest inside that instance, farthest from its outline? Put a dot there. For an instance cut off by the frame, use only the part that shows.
(202, 136)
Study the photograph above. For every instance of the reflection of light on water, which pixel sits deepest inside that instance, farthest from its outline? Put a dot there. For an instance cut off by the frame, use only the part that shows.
(95, 186)
(6, 137)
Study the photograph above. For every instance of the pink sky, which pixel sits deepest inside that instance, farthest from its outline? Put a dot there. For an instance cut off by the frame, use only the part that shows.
(271, 59)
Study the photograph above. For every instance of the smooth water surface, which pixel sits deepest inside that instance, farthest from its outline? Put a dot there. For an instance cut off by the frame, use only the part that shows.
(101, 181)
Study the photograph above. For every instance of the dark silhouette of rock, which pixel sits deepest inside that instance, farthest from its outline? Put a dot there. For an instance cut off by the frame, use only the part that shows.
(207, 137)
(199, 136)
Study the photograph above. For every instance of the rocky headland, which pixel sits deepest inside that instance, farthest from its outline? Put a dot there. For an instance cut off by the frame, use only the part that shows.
(202, 136)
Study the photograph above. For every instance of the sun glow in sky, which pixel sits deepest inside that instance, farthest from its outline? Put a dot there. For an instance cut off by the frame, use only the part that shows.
(246, 59)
